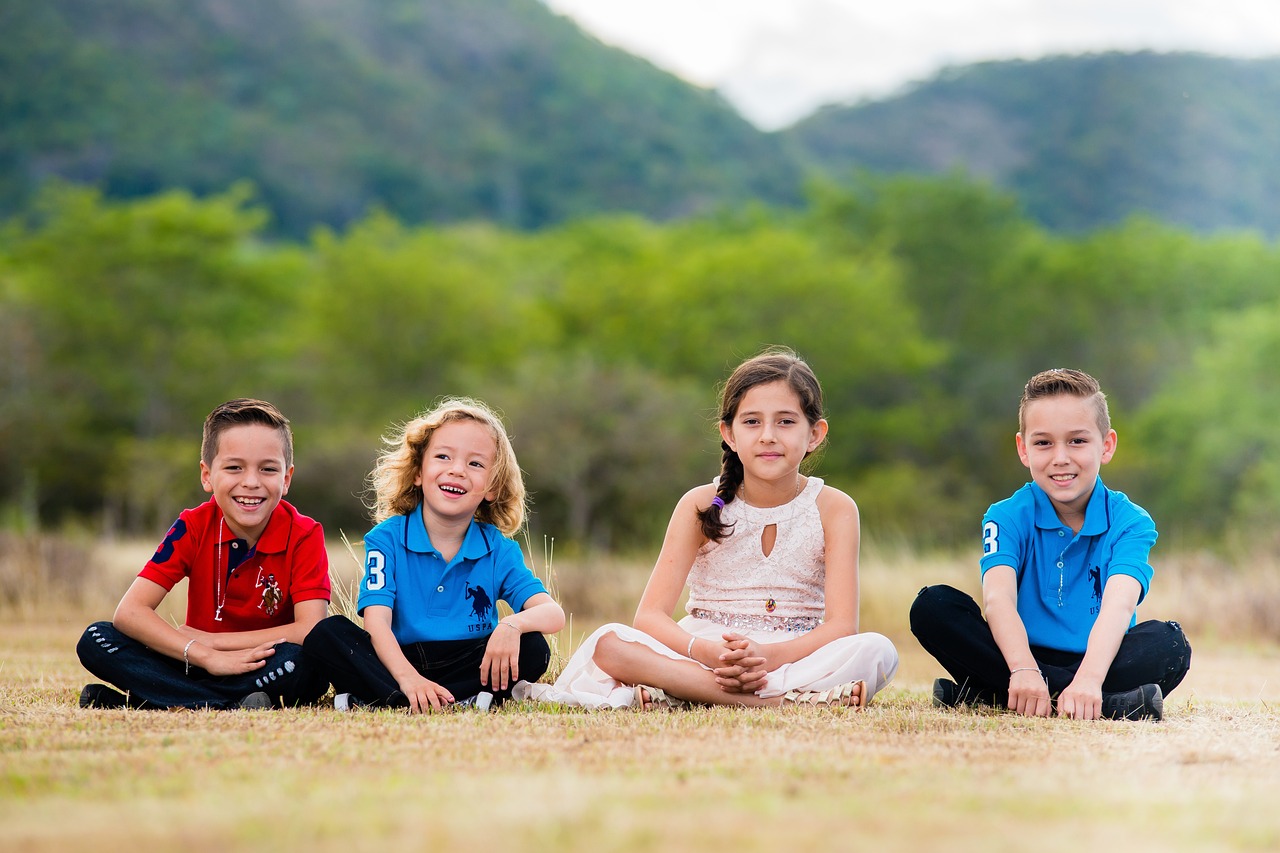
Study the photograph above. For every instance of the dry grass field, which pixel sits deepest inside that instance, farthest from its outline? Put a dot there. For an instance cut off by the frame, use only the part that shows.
(899, 776)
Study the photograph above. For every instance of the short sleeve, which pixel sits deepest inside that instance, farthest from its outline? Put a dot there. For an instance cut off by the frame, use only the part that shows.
(378, 584)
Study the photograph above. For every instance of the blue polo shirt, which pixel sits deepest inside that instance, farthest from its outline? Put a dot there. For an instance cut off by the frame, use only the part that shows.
(433, 600)
(1061, 574)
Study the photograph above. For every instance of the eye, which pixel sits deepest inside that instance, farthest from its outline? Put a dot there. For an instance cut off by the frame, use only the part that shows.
(477, 464)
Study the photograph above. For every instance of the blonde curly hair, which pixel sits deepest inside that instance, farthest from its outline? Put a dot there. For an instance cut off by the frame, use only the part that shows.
(391, 480)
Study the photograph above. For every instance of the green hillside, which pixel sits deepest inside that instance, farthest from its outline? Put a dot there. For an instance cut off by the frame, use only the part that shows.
(434, 110)
(1083, 141)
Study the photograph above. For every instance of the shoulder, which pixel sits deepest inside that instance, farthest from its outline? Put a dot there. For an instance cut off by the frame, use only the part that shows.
(304, 523)
(1021, 504)
(835, 504)
(697, 499)
(1125, 515)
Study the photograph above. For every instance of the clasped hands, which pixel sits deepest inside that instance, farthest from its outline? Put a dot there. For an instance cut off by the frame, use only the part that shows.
(742, 665)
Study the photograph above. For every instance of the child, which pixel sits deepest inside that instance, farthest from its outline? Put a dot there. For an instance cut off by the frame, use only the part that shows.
(258, 580)
(770, 558)
(448, 495)
(1064, 567)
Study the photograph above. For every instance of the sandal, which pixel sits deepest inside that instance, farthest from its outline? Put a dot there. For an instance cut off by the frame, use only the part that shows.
(658, 699)
(836, 696)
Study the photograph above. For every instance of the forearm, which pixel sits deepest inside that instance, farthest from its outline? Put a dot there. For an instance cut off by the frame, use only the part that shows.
(1010, 635)
(147, 627)
(1104, 641)
(803, 645)
(544, 617)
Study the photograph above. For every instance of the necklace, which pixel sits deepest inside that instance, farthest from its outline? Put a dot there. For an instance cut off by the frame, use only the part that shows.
(219, 591)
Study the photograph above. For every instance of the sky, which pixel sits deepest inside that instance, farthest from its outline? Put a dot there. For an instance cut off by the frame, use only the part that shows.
(778, 60)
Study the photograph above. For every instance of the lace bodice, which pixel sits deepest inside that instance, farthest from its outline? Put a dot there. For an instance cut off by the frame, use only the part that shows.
(734, 575)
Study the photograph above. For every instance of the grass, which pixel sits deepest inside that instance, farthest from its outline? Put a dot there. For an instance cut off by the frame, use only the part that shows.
(899, 776)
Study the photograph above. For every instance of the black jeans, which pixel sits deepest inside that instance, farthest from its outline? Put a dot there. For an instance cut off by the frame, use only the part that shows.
(153, 680)
(949, 625)
(344, 652)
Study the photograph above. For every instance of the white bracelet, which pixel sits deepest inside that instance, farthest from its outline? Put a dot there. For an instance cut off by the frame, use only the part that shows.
(689, 651)
(1026, 669)
(185, 659)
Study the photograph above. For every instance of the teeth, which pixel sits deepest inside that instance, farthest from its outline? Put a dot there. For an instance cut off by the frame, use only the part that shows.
(452, 489)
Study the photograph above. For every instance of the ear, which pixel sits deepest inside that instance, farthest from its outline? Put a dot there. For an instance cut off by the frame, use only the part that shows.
(1022, 450)
(727, 435)
(817, 433)
(1109, 446)
(206, 480)
(288, 478)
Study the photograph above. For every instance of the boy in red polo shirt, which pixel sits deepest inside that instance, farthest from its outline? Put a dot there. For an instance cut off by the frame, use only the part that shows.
(258, 580)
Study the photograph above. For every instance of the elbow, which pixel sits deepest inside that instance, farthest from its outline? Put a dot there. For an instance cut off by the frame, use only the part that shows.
(556, 620)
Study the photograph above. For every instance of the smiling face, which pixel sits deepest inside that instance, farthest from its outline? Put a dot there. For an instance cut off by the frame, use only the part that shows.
(1064, 448)
(770, 433)
(247, 477)
(456, 468)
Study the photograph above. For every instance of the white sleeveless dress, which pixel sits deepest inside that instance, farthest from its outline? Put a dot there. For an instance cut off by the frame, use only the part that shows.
(734, 586)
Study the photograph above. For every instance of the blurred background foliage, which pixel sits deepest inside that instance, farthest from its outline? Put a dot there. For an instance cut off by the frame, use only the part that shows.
(353, 209)
(922, 303)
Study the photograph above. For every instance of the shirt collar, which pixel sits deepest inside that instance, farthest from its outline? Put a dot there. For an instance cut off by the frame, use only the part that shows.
(474, 545)
(1095, 514)
(274, 540)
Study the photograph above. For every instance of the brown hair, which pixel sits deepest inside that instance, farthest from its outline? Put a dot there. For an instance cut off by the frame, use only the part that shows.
(391, 480)
(1065, 381)
(238, 413)
(776, 364)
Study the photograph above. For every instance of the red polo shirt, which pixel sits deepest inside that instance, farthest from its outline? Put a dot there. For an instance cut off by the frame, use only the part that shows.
(288, 565)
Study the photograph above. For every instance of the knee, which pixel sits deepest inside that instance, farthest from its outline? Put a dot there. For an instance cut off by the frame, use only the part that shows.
(610, 649)
(326, 631)
(98, 640)
(930, 602)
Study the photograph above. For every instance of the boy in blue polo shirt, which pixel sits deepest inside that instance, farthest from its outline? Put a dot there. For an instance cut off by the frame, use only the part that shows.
(448, 495)
(1064, 567)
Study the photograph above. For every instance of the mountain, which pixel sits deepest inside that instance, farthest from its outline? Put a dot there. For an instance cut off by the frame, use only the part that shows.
(435, 110)
(1083, 141)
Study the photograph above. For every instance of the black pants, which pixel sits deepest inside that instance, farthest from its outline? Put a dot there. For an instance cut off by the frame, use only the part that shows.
(344, 652)
(949, 624)
(153, 680)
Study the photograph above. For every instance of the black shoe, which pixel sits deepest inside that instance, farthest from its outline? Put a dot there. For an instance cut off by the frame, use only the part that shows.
(257, 702)
(948, 694)
(102, 696)
(1141, 703)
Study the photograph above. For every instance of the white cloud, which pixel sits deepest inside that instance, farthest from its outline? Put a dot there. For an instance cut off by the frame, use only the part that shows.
(777, 60)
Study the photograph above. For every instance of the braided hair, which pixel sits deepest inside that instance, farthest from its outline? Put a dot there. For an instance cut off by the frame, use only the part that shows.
(776, 364)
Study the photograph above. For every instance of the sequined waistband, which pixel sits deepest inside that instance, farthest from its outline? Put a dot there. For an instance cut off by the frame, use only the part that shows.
(793, 624)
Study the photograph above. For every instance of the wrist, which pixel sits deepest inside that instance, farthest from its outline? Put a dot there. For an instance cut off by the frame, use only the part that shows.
(507, 624)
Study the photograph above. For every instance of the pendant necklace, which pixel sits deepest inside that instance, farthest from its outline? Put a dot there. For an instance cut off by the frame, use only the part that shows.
(219, 592)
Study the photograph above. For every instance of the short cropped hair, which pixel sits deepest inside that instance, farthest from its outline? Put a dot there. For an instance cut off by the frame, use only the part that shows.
(1065, 381)
(391, 480)
(240, 412)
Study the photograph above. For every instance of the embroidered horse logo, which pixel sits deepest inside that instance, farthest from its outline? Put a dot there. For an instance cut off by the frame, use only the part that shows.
(271, 595)
(480, 602)
(1095, 575)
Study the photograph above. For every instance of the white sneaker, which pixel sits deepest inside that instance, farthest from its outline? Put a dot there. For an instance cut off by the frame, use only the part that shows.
(479, 702)
(343, 702)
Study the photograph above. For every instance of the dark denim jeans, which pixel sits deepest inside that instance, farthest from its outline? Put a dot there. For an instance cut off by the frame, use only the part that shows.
(949, 625)
(344, 653)
(153, 680)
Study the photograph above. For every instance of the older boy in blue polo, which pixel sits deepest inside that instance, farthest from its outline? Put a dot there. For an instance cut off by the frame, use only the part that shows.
(1064, 567)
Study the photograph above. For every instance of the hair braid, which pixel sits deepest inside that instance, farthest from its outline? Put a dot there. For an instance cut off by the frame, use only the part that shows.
(731, 474)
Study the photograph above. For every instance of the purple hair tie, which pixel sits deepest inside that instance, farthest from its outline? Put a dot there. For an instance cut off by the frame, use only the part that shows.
(718, 501)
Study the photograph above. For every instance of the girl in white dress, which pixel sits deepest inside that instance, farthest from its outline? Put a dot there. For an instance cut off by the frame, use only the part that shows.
(770, 557)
